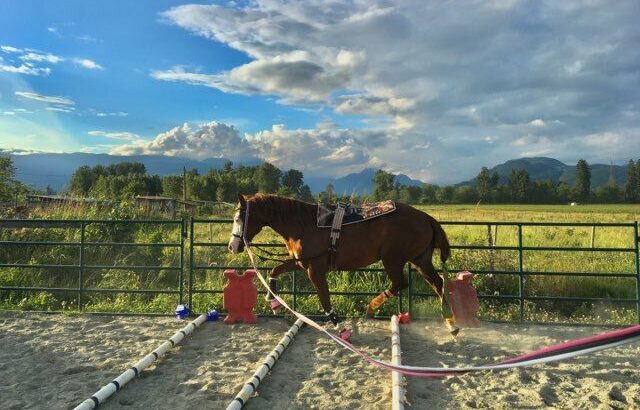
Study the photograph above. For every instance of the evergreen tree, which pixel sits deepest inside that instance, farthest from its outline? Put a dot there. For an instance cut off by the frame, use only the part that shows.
(305, 193)
(483, 184)
(172, 186)
(519, 185)
(268, 178)
(631, 186)
(292, 182)
(583, 180)
(83, 180)
(7, 172)
(383, 184)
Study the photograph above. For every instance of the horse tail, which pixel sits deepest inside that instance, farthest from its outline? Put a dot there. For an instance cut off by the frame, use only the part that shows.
(440, 241)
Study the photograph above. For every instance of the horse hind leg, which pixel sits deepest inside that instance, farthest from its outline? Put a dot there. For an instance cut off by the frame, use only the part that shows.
(425, 266)
(394, 270)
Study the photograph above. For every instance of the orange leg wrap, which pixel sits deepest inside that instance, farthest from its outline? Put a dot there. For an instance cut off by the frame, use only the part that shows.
(377, 302)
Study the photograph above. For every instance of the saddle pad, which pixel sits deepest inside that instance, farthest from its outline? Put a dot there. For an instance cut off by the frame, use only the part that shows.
(354, 214)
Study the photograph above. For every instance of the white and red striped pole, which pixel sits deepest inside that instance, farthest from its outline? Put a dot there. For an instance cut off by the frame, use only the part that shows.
(254, 381)
(397, 380)
(113, 386)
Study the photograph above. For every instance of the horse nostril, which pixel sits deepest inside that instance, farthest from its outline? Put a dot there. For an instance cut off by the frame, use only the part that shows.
(230, 248)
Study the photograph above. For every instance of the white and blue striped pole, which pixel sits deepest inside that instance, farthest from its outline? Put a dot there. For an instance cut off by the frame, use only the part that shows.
(397, 381)
(116, 384)
(252, 384)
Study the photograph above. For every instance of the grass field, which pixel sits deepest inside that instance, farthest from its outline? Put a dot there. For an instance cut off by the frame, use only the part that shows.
(215, 258)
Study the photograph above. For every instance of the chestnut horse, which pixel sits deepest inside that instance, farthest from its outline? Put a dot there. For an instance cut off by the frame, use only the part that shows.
(404, 235)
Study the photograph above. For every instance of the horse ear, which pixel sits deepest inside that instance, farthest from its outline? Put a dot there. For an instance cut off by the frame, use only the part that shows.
(242, 199)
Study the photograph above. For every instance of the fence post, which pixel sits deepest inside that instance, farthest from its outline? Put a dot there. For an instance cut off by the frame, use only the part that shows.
(191, 262)
(593, 236)
(521, 276)
(492, 245)
(183, 234)
(636, 246)
(81, 269)
(295, 290)
(399, 299)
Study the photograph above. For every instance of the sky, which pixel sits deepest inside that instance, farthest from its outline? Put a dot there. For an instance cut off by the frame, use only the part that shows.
(431, 89)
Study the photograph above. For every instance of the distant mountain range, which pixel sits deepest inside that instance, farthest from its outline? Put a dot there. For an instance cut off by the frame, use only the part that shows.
(55, 170)
(360, 183)
(541, 168)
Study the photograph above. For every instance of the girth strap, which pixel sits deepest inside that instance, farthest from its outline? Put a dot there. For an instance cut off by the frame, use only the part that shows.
(336, 229)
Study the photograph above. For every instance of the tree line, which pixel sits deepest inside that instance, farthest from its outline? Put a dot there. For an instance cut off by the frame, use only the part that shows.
(519, 189)
(126, 180)
(129, 179)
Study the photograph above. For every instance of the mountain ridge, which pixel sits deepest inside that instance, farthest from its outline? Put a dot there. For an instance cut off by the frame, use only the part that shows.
(55, 170)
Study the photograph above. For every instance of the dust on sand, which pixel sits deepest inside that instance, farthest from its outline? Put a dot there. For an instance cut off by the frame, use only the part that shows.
(57, 361)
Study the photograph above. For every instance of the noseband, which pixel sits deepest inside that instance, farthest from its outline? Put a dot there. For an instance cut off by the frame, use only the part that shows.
(242, 235)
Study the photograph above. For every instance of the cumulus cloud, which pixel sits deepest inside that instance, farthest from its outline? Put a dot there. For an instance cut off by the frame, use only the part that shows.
(326, 151)
(26, 69)
(10, 49)
(41, 57)
(321, 151)
(33, 62)
(210, 140)
(304, 81)
(441, 76)
(45, 98)
(86, 63)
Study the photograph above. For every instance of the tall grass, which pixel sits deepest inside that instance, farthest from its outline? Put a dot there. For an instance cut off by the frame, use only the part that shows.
(209, 282)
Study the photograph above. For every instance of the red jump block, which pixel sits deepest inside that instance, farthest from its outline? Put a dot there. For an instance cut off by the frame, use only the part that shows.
(240, 297)
(464, 300)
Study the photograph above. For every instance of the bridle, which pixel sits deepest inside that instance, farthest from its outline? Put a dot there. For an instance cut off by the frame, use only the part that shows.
(242, 232)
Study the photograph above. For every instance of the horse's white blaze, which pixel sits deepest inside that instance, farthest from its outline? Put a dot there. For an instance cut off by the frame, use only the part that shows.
(236, 233)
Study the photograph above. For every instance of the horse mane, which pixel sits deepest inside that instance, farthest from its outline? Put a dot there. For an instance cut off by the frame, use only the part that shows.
(281, 209)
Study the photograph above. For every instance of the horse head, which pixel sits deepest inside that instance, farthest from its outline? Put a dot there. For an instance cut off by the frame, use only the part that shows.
(245, 224)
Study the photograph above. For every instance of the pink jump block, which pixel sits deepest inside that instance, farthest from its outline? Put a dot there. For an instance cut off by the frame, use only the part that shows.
(464, 300)
(240, 297)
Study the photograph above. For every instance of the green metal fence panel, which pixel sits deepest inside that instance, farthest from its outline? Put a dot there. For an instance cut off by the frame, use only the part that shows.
(521, 273)
(188, 282)
(82, 266)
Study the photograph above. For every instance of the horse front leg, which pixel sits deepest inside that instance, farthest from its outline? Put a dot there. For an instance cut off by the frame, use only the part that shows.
(319, 281)
(286, 266)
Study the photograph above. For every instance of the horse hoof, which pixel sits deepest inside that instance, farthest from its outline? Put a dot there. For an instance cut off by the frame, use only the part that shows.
(276, 306)
(454, 330)
(370, 313)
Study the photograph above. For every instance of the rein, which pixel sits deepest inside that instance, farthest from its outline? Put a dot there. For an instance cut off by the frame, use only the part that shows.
(272, 256)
